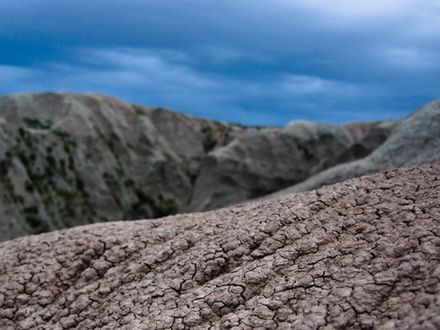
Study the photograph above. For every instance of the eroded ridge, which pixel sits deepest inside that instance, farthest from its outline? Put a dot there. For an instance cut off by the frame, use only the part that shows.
(363, 254)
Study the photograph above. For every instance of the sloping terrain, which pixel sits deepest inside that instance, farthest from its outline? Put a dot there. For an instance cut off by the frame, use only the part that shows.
(71, 159)
(258, 163)
(363, 254)
(416, 140)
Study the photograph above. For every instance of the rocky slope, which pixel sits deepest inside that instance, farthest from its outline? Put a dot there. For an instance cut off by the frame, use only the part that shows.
(363, 254)
(71, 159)
(416, 140)
(258, 163)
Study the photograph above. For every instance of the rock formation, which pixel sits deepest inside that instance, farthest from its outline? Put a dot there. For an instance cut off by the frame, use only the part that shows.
(72, 159)
(363, 254)
(258, 163)
(416, 140)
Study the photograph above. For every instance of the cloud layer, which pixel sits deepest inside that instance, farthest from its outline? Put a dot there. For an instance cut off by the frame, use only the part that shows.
(264, 62)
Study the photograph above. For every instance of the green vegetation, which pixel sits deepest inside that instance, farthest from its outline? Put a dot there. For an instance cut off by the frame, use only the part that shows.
(38, 124)
(209, 140)
(56, 193)
(110, 141)
(48, 161)
(6, 181)
(165, 206)
(160, 205)
(139, 110)
(114, 186)
(129, 183)
(37, 224)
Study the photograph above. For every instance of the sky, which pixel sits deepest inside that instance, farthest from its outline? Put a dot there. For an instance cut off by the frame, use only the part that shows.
(245, 61)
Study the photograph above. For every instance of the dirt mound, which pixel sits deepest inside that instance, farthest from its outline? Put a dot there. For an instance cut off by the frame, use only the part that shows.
(361, 254)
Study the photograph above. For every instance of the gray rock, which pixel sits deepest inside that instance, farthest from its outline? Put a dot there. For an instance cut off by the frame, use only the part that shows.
(72, 159)
(368, 137)
(363, 254)
(260, 162)
(415, 140)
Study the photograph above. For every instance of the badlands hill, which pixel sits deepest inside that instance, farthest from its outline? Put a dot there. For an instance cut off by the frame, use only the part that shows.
(362, 254)
(257, 163)
(416, 140)
(72, 159)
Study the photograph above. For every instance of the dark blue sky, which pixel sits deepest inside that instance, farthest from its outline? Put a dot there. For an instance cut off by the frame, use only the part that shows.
(248, 61)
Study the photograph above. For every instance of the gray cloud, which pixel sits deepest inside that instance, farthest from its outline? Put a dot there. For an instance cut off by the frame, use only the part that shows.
(249, 61)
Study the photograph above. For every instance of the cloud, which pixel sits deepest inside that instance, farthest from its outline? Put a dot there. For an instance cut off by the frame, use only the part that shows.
(356, 11)
(220, 53)
(410, 59)
(11, 73)
(249, 60)
(135, 68)
(12, 76)
(167, 78)
(308, 86)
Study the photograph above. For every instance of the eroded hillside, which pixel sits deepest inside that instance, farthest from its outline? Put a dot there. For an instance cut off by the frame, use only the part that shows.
(414, 141)
(71, 159)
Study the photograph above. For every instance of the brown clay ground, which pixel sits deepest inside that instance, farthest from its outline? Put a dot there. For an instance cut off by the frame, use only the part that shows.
(363, 254)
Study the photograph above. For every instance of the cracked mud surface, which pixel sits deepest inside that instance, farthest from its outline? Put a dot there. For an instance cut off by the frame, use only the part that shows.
(362, 254)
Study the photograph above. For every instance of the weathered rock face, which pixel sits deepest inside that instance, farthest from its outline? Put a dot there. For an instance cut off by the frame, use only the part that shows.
(416, 140)
(190, 139)
(71, 159)
(362, 254)
(368, 137)
(257, 163)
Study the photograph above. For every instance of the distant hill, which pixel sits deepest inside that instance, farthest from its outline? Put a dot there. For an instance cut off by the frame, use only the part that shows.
(416, 140)
(257, 163)
(71, 159)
